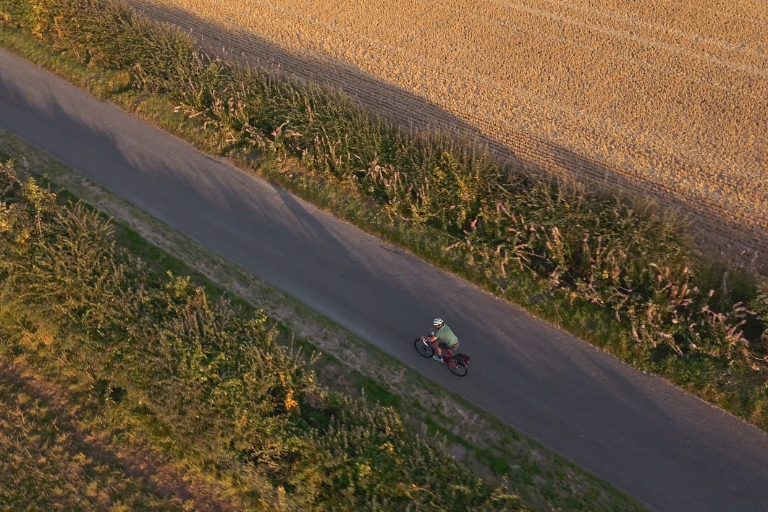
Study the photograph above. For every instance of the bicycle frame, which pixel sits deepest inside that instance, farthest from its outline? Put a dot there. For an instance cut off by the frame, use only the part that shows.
(447, 353)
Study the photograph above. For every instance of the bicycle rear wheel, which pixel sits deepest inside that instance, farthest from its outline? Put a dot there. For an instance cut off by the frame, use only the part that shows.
(423, 348)
(458, 369)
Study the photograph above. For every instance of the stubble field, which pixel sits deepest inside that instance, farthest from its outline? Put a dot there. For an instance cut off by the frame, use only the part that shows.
(669, 98)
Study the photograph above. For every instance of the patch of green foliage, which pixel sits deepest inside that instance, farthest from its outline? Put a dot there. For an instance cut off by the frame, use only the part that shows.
(616, 271)
(206, 376)
(378, 393)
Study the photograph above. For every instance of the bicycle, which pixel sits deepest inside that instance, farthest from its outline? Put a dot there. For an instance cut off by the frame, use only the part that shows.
(456, 363)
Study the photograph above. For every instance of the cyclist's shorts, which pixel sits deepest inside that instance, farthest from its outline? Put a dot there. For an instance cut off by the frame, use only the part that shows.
(443, 346)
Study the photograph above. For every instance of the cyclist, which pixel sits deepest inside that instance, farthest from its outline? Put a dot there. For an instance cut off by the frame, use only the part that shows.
(444, 337)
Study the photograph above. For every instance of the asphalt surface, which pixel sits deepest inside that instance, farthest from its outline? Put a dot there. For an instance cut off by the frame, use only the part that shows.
(668, 449)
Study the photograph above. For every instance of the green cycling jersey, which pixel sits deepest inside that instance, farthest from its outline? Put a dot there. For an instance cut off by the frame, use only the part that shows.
(445, 334)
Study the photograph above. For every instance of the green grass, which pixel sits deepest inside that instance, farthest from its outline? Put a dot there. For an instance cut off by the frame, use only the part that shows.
(376, 392)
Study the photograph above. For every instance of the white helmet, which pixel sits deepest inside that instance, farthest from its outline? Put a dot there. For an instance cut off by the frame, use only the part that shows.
(437, 322)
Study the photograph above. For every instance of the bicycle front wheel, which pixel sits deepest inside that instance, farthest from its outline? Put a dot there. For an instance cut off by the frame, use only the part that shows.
(424, 348)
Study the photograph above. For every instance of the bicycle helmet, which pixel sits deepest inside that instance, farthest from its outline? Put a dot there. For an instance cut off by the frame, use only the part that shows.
(437, 322)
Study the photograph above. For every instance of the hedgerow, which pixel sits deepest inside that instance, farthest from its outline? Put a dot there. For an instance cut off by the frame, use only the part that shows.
(601, 255)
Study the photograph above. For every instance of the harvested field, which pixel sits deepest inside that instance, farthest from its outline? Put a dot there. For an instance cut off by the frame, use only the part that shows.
(667, 98)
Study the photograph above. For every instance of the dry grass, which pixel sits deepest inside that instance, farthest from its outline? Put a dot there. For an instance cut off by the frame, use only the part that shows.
(671, 97)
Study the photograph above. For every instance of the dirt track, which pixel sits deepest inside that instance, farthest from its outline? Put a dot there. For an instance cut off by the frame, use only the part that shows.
(665, 98)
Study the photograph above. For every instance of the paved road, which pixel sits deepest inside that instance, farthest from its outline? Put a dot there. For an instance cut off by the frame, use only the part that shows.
(668, 449)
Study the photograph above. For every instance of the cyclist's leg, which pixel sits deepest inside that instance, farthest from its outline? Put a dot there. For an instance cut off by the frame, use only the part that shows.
(438, 353)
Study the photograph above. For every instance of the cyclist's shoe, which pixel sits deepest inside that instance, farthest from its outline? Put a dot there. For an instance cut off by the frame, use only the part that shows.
(437, 358)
